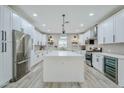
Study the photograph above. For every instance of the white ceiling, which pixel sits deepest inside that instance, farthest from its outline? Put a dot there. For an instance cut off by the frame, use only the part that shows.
(51, 15)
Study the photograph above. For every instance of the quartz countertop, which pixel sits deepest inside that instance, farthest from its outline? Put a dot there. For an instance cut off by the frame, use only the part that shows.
(111, 54)
(62, 53)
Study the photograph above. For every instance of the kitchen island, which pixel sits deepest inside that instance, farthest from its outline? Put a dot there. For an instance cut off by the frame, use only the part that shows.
(63, 66)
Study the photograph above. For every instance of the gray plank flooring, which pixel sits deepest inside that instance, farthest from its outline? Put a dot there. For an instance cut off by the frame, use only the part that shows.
(34, 79)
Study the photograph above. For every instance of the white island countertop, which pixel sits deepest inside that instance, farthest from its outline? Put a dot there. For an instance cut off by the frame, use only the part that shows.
(62, 53)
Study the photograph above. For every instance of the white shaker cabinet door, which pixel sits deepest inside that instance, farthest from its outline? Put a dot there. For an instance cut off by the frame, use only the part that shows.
(7, 23)
(119, 25)
(100, 63)
(1, 65)
(95, 61)
(108, 30)
(9, 61)
(16, 22)
(1, 23)
(100, 34)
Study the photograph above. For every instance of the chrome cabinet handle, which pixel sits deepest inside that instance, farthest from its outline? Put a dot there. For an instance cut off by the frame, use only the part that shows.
(113, 38)
(2, 46)
(5, 47)
(5, 36)
(2, 35)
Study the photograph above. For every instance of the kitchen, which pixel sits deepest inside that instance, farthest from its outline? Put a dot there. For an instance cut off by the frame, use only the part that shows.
(68, 48)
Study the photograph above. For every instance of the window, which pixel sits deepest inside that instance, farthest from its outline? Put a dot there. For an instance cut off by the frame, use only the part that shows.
(63, 41)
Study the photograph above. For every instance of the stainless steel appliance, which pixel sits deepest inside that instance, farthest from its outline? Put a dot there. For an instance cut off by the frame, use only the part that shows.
(90, 41)
(89, 58)
(21, 54)
(88, 55)
(111, 68)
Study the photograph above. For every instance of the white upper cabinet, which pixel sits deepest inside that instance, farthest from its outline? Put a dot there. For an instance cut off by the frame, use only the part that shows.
(87, 35)
(81, 39)
(44, 39)
(24, 25)
(100, 34)
(106, 33)
(119, 26)
(112, 29)
(108, 30)
(1, 25)
(7, 24)
(16, 22)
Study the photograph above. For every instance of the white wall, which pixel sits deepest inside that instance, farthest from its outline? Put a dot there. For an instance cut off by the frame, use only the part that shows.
(69, 40)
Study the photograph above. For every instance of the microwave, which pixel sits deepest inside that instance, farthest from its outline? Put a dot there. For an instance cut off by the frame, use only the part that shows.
(90, 41)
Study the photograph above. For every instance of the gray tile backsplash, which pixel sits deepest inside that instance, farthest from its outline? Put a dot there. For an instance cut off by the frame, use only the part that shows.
(114, 48)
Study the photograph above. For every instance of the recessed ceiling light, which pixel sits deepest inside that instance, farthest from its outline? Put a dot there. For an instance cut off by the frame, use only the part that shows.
(81, 25)
(35, 14)
(43, 25)
(91, 14)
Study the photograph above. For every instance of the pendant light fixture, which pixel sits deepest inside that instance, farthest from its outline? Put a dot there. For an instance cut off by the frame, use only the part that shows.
(63, 24)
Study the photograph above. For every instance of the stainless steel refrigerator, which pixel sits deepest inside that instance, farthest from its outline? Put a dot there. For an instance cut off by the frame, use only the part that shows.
(21, 54)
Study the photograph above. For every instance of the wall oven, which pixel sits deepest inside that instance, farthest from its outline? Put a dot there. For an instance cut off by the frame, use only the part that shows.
(111, 68)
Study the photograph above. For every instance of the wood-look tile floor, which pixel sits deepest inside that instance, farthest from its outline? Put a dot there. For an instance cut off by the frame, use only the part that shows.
(34, 79)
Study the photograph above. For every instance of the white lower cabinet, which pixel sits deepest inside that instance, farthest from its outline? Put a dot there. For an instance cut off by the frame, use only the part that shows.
(121, 72)
(98, 62)
(83, 53)
(5, 63)
(1, 65)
